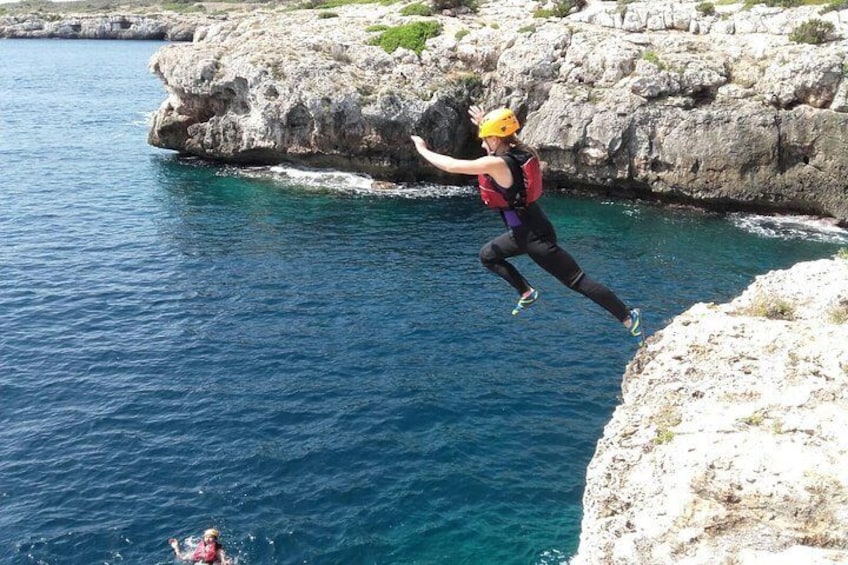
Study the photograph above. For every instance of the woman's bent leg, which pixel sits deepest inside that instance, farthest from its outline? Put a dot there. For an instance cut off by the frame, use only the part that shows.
(494, 256)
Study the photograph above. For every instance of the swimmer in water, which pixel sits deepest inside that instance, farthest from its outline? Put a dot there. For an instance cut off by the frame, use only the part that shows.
(208, 550)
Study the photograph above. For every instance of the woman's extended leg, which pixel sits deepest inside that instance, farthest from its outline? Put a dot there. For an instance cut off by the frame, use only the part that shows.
(558, 262)
(604, 297)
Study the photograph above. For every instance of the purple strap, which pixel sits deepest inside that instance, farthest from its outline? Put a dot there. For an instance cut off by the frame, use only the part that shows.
(511, 218)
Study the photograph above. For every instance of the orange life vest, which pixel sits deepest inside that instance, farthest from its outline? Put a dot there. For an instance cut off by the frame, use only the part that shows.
(526, 182)
(205, 552)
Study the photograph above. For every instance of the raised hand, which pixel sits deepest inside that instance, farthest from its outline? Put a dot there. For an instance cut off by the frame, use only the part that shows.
(476, 113)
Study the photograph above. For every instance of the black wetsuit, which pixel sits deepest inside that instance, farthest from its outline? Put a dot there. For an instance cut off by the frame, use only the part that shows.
(532, 233)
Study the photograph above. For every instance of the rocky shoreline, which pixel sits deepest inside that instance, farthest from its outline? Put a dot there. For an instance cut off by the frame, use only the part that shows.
(156, 26)
(657, 100)
(729, 444)
(653, 101)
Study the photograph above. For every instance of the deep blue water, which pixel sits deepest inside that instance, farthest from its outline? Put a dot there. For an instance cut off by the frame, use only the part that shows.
(323, 372)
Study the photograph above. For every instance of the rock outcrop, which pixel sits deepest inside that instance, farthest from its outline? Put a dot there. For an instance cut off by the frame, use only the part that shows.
(169, 27)
(730, 443)
(649, 99)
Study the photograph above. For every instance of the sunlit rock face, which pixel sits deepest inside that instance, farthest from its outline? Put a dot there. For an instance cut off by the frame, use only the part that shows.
(655, 100)
(729, 445)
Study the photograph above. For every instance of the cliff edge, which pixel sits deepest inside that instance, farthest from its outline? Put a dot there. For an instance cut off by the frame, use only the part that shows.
(730, 444)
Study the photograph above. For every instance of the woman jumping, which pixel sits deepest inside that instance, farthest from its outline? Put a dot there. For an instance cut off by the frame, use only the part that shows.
(511, 181)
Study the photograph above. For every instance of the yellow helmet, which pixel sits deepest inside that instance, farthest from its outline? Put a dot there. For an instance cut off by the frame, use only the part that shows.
(211, 532)
(498, 123)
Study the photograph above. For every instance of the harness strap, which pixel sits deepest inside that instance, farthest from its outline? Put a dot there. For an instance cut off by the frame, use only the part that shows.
(511, 218)
(518, 191)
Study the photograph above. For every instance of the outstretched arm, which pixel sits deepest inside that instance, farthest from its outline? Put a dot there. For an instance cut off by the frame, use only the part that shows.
(175, 545)
(489, 165)
(223, 559)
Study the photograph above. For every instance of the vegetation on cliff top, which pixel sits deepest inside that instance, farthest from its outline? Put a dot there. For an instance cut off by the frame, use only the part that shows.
(410, 36)
(130, 6)
(558, 8)
(216, 6)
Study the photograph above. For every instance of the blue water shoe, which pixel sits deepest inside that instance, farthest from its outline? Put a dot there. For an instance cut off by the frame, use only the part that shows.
(525, 301)
(636, 324)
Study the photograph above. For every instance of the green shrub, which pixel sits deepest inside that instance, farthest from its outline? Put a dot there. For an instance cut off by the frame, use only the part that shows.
(774, 3)
(813, 31)
(439, 5)
(754, 419)
(410, 36)
(416, 9)
(654, 59)
(835, 6)
(377, 27)
(664, 436)
(327, 15)
(561, 9)
(706, 8)
(527, 29)
(665, 419)
(330, 4)
(460, 34)
(564, 7)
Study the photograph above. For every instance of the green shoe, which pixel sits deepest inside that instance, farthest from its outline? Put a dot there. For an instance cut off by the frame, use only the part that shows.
(525, 301)
(636, 324)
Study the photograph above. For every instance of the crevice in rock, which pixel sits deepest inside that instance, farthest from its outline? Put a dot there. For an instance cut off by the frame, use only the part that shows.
(696, 166)
(703, 97)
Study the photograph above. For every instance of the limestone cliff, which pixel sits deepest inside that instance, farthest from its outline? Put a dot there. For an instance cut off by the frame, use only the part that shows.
(164, 26)
(730, 444)
(646, 98)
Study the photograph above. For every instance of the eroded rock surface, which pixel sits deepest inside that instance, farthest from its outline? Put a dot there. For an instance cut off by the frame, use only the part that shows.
(730, 443)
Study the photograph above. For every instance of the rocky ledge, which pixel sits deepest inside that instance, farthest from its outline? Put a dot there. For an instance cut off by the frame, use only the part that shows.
(649, 99)
(730, 443)
(157, 26)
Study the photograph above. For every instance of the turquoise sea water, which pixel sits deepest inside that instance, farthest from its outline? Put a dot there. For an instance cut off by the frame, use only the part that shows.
(322, 371)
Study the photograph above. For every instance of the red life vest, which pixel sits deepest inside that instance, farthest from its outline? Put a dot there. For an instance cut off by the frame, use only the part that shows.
(205, 552)
(526, 182)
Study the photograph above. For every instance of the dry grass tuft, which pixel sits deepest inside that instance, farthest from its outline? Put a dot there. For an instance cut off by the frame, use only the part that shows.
(771, 307)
